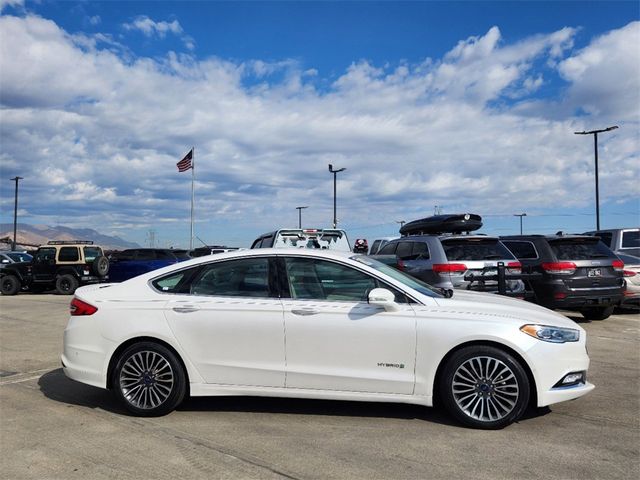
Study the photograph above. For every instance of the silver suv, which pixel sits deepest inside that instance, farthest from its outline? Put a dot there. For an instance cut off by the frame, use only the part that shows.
(449, 261)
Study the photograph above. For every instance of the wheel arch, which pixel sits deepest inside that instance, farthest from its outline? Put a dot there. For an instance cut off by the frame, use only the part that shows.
(533, 390)
(121, 348)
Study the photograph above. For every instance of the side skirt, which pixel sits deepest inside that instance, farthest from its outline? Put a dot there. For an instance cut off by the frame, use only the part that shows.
(204, 390)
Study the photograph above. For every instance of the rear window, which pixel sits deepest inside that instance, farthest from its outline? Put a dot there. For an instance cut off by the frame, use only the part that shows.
(475, 249)
(580, 249)
(522, 250)
(331, 240)
(631, 239)
(91, 253)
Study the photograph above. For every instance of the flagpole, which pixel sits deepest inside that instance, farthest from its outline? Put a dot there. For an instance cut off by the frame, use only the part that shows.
(193, 174)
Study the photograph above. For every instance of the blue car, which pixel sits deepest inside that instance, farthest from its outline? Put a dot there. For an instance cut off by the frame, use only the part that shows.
(136, 261)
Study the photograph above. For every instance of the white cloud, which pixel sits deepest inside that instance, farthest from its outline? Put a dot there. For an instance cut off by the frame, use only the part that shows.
(605, 75)
(11, 3)
(97, 136)
(152, 28)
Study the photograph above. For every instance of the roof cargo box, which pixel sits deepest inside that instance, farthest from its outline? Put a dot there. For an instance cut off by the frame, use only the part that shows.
(451, 223)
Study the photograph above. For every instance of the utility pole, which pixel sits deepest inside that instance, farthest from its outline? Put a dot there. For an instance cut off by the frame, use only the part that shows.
(15, 214)
(595, 149)
(335, 174)
(520, 215)
(300, 215)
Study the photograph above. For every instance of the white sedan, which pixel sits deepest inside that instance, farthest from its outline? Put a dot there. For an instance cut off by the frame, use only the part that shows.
(312, 324)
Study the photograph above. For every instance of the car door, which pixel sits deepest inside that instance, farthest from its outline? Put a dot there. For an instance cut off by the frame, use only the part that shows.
(44, 264)
(227, 317)
(335, 340)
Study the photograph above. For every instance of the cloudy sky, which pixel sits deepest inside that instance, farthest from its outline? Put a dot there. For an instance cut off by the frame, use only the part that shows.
(468, 106)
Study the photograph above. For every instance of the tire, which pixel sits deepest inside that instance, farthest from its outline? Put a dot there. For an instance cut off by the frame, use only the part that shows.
(66, 284)
(10, 285)
(149, 380)
(484, 387)
(100, 266)
(597, 313)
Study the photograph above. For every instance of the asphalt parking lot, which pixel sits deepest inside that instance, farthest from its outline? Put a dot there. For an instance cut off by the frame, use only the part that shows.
(52, 427)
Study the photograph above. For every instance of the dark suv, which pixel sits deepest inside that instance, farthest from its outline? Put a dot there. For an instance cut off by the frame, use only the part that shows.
(136, 261)
(575, 272)
(64, 265)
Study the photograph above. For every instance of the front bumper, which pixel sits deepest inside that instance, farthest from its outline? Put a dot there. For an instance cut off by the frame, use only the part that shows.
(550, 362)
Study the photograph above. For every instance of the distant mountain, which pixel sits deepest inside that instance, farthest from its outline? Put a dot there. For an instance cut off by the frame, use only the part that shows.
(40, 234)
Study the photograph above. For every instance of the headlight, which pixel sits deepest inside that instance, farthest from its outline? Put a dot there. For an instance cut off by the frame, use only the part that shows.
(551, 334)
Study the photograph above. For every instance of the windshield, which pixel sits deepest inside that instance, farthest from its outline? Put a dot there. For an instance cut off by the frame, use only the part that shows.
(19, 257)
(396, 274)
(324, 240)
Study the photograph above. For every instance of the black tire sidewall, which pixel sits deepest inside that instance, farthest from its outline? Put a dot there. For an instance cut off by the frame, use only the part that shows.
(179, 387)
(99, 266)
(463, 355)
(597, 313)
(15, 284)
(73, 282)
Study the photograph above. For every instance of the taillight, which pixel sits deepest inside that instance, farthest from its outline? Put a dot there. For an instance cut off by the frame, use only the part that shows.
(560, 268)
(628, 273)
(449, 268)
(78, 307)
(514, 267)
(618, 265)
(400, 265)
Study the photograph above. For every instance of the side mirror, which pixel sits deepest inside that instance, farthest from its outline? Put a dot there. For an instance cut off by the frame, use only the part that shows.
(381, 297)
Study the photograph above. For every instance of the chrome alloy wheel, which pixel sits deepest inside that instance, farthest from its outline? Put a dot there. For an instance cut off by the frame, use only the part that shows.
(146, 379)
(485, 388)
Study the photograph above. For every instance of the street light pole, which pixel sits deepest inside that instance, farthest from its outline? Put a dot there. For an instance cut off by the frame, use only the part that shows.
(300, 215)
(335, 174)
(520, 215)
(401, 222)
(595, 148)
(15, 214)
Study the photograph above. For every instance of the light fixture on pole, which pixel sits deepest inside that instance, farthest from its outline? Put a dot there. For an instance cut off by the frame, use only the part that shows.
(595, 149)
(335, 174)
(15, 214)
(520, 215)
(300, 215)
(401, 222)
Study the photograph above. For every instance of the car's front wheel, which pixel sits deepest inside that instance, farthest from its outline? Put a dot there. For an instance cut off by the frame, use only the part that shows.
(9, 285)
(149, 380)
(484, 387)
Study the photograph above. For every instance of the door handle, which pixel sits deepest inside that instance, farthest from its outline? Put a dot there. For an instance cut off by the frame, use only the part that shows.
(304, 312)
(185, 309)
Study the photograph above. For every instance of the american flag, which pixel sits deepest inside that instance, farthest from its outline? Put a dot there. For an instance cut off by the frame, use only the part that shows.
(186, 163)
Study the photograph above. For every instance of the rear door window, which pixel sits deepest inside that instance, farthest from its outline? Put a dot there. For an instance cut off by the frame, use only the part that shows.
(69, 254)
(404, 250)
(475, 249)
(388, 249)
(247, 277)
(579, 249)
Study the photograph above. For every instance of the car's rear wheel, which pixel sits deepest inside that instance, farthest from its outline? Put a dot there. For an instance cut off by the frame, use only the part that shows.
(66, 284)
(597, 313)
(149, 380)
(484, 387)
(9, 285)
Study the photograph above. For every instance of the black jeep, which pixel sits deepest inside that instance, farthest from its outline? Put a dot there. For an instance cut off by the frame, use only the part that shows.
(63, 265)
